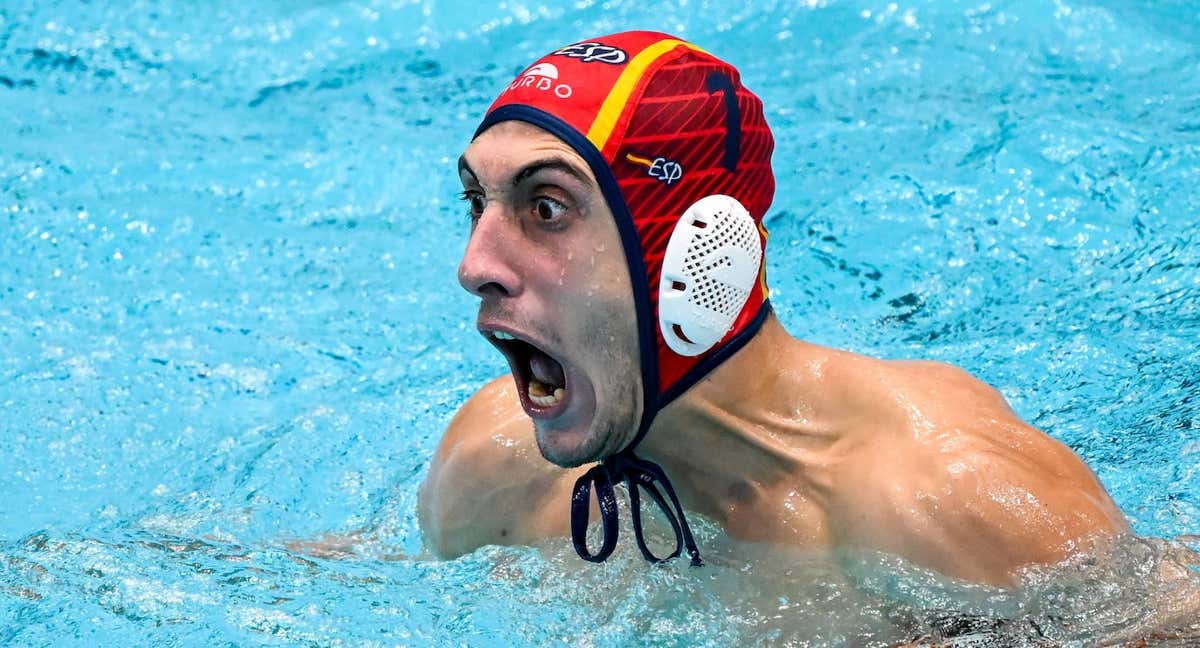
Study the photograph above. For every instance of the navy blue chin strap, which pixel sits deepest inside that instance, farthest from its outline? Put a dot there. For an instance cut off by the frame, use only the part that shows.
(638, 474)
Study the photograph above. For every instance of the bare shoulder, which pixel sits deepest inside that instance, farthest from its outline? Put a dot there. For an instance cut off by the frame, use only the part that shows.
(488, 484)
(861, 381)
(955, 480)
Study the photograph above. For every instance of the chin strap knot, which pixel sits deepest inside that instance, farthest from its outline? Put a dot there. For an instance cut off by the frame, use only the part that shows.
(638, 474)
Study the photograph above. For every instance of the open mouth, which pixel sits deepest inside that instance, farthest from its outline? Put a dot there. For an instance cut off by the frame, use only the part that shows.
(540, 378)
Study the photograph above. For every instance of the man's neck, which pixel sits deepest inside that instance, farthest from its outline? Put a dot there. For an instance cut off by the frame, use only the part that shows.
(758, 419)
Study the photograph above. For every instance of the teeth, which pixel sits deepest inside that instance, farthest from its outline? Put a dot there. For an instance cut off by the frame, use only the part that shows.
(540, 395)
(501, 335)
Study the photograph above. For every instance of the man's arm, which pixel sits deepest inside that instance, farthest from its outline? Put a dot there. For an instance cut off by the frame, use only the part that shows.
(488, 484)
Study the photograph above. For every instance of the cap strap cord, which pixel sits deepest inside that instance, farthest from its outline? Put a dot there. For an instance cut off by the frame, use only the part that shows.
(639, 474)
(581, 509)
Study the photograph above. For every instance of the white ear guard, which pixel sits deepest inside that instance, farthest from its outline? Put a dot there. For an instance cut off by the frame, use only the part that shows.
(711, 264)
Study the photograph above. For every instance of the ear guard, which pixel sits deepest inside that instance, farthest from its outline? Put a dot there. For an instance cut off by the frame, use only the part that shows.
(711, 264)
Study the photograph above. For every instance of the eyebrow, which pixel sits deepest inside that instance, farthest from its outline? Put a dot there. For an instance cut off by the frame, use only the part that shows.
(546, 164)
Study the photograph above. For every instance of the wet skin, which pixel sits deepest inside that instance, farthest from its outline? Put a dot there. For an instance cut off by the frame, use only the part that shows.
(787, 443)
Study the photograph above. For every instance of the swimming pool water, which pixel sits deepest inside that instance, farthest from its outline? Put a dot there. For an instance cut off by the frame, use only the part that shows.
(228, 238)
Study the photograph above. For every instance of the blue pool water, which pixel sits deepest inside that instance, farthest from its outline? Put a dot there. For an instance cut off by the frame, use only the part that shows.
(230, 319)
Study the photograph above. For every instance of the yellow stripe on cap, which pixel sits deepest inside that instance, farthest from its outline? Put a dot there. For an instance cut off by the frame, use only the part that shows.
(614, 104)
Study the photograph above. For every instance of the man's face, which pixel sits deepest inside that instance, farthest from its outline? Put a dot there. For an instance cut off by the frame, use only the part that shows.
(546, 261)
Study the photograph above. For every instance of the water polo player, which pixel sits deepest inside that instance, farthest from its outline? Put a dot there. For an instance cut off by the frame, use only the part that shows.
(617, 189)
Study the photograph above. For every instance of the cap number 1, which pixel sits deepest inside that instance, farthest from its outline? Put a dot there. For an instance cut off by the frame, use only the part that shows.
(733, 118)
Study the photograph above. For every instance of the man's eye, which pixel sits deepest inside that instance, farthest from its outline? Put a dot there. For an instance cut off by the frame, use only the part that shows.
(548, 209)
(475, 203)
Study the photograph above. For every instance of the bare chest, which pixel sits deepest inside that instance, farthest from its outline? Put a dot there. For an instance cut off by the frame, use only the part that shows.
(786, 515)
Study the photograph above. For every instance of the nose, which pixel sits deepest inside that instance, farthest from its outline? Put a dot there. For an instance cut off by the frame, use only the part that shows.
(489, 265)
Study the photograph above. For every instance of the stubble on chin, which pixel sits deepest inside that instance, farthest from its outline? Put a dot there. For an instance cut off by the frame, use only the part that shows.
(566, 457)
(618, 404)
(616, 430)
(607, 434)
